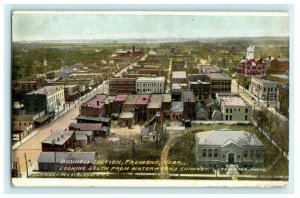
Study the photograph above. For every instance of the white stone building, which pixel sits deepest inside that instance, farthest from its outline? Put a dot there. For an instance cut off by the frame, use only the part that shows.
(150, 85)
(263, 89)
(234, 107)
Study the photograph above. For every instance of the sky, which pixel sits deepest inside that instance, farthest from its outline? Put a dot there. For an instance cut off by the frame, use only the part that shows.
(67, 25)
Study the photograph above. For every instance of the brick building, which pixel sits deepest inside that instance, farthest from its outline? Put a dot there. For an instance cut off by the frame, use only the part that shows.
(277, 65)
(189, 105)
(122, 85)
(283, 99)
(94, 107)
(59, 141)
(219, 83)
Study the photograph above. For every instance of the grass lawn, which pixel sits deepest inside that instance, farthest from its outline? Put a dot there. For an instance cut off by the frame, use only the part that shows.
(183, 149)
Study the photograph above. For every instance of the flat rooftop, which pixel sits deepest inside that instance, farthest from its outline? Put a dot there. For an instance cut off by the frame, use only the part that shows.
(151, 79)
(86, 126)
(131, 99)
(46, 90)
(121, 97)
(58, 138)
(126, 115)
(97, 101)
(178, 74)
(188, 96)
(218, 76)
(264, 81)
(166, 98)
(177, 106)
(155, 101)
(143, 99)
(232, 100)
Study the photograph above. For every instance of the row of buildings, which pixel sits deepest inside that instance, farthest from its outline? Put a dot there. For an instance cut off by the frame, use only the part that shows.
(250, 67)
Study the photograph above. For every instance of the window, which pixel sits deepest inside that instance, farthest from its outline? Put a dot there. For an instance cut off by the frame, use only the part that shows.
(230, 110)
(257, 154)
(251, 154)
(209, 152)
(204, 153)
(245, 154)
(226, 117)
(216, 153)
(230, 117)
(226, 110)
(246, 117)
(246, 110)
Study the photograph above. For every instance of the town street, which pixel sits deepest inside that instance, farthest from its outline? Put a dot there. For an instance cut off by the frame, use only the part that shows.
(33, 146)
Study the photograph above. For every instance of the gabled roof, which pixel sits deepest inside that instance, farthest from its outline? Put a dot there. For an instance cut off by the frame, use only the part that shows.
(230, 141)
(221, 137)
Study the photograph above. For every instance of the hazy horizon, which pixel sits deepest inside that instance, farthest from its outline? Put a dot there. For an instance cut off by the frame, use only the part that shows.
(29, 26)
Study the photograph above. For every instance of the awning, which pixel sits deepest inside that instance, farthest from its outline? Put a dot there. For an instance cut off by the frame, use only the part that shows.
(42, 118)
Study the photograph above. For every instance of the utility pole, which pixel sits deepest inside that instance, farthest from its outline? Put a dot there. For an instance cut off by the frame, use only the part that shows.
(26, 164)
(19, 171)
(53, 143)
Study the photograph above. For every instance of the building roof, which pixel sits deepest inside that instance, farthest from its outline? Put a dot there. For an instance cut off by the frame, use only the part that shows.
(59, 157)
(97, 99)
(179, 74)
(176, 86)
(122, 79)
(263, 81)
(109, 99)
(58, 138)
(131, 99)
(222, 137)
(283, 86)
(177, 106)
(121, 97)
(86, 126)
(80, 137)
(218, 76)
(188, 96)
(23, 117)
(86, 133)
(151, 79)
(70, 86)
(155, 101)
(126, 115)
(196, 77)
(93, 118)
(143, 99)
(166, 98)
(282, 59)
(46, 90)
(232, 100)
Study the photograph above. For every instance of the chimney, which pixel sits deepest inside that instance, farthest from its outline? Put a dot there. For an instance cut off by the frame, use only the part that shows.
(261, 59)
(243, 57)
(269, 57)
(58, 139)
(133, 48)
